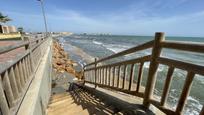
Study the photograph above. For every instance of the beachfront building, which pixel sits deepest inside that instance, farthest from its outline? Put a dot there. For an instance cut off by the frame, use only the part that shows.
(7, 29)
(9, 32)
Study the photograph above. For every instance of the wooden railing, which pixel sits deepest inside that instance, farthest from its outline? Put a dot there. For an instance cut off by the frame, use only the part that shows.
(16, 77)
(110, 75)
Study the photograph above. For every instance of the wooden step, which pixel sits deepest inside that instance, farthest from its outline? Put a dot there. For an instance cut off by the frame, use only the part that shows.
(77, 102)
(67, 100)
(59, 99)
(67, 110)
(60, 95)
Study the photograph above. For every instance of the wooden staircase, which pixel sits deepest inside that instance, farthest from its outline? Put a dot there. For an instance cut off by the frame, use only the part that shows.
(78, 102)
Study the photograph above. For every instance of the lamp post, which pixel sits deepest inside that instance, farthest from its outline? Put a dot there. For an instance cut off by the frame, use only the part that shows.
(43, 11)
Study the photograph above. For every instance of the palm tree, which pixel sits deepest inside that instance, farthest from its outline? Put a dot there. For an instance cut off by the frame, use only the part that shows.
(4, 19)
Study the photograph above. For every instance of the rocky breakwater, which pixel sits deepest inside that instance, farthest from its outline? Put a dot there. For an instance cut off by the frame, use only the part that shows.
(62, 62)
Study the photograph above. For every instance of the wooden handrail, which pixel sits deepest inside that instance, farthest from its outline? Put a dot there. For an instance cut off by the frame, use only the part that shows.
(125, 52)
(155, 59)
(186, 46)
(137, 60)
(198, 69)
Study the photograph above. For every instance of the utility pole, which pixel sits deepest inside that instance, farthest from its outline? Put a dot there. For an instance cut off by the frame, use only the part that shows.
(43, 12)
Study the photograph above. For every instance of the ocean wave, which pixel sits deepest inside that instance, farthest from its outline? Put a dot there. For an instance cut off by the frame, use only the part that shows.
(116, 48)
(96, 42)
(112, 47)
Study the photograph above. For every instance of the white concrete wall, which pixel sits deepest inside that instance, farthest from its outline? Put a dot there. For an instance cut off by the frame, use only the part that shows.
(37, 97)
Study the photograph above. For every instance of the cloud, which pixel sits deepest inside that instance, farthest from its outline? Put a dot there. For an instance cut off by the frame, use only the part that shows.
(134, 19)
(129, 23)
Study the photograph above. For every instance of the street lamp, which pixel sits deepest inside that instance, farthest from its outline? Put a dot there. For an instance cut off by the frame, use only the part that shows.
(43, 11)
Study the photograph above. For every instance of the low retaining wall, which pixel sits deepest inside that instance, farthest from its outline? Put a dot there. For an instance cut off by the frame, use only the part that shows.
(10, 36)
(38, 94)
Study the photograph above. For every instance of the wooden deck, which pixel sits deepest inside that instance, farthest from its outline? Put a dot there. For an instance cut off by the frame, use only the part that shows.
(78, 102)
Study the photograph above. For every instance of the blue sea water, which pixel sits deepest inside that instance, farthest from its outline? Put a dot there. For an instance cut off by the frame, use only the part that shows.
(104, 45)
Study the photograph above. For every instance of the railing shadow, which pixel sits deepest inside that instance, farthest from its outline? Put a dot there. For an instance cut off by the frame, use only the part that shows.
(89, 103)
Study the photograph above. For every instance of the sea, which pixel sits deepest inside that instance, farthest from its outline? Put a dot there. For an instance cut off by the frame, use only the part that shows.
(99, 46)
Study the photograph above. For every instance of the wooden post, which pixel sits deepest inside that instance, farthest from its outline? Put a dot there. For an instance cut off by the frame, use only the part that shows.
(95, 71)
(109, 74)
(106, 76)
(131, 76)
(140, 74)
(113, 75)
(118, 76)
(156, 51)
(167, 86)
(202, 111)
(124, 77)
(83, 76)
(185, 93)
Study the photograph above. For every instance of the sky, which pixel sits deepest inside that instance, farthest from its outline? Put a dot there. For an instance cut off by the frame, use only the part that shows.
(124, 17)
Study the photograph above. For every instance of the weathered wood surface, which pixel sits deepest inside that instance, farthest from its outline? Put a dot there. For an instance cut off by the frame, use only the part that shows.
(131, 50)
(167, 86)
(137, 60)
(139, 76)
(156, 51)
(112, 81)
(186, 46)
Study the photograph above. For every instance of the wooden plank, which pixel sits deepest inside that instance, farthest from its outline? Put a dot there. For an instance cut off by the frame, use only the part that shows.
(131, 76)
(113, 75)
(156, 51)
(95, 72)
(106, 76)
(118, 76)
(3, 103)
(140, 74)
(7, 89)
(124, 74)
(185, 92)
(13, 83)
(202, 111)
(167, 86)
(185, 46)
(139, 94)
(125, 52)
(137, 60)
(99, 75)
(182, 65)
(102, 69)
(162, 108)
(109, 78)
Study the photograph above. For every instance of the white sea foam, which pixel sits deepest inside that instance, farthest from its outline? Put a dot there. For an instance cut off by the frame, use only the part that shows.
(82, 63)
(116, 48)
(96, 42)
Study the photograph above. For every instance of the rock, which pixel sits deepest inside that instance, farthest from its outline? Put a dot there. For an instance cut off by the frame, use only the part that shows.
(61, 61)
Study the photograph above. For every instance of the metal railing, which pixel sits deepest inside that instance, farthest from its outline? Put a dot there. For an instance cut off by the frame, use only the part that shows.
(16, 77)
(105, 75)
